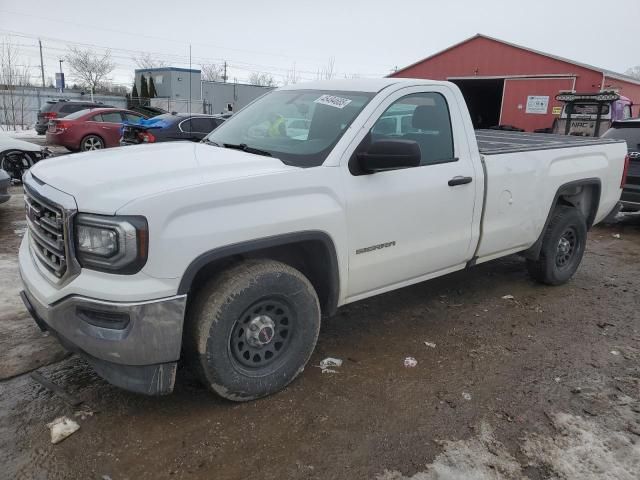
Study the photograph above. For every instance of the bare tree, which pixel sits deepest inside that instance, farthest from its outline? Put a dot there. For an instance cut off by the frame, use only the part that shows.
(634, 72)
(90, 69)
(292, 76)
(326, 72)
(14, 80)
(146, 60)
(262, 79)
(212, 72)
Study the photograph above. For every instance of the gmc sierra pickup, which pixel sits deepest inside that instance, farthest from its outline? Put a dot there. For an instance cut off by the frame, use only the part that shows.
(227, 252)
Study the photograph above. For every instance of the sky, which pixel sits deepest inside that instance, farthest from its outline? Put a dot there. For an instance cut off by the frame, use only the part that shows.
(364, 38)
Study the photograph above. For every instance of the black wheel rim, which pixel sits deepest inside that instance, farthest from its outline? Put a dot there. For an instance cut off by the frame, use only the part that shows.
(262, 334)
(567, 246)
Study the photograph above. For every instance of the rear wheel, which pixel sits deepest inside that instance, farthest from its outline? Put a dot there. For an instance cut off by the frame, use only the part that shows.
(253, 329)
(91, 142)
(562, 249)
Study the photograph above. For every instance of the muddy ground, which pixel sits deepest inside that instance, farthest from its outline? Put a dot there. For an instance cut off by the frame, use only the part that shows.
(542, 385)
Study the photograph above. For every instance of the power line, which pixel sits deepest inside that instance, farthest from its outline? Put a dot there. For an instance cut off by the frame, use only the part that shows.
(154, 37)
(183, 59)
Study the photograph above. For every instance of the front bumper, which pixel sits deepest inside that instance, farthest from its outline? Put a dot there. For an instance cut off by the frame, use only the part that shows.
(140, 355)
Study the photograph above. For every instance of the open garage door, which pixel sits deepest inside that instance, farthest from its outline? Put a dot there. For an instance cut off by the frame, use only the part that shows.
(484, 99)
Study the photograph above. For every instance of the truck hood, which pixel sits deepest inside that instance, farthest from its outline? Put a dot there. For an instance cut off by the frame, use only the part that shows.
(103, 181)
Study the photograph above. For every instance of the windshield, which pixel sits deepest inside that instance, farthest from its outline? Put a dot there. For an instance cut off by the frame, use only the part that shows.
(299, 127)
(78, 114)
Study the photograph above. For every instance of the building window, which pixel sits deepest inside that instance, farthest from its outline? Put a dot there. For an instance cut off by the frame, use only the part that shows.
(158, 80)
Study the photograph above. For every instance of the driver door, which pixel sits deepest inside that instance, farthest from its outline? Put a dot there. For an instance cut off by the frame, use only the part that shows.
(408, 224)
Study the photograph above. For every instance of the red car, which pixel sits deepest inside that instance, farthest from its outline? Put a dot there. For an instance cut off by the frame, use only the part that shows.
(92, 129)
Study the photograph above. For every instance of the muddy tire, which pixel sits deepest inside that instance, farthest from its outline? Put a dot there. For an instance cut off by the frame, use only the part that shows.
(562, 249)
(252, 329)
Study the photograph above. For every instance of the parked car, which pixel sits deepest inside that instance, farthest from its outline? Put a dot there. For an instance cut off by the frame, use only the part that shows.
(17, 156)
(5, 183)
(92, 129)
(229, 250)
(629, 131)
(60, 109)
(170, 127)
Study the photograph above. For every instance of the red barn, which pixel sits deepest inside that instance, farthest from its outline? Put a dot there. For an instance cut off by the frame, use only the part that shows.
(506, 84)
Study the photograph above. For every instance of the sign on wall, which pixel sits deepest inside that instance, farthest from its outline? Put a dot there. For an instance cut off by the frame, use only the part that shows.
(538, 104)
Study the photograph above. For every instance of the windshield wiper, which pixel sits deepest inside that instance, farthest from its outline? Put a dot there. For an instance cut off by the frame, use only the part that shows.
(246, 148)
(211, 142)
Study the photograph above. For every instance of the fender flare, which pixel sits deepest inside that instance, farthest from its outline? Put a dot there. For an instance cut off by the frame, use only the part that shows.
(533, 252)
(254, 245)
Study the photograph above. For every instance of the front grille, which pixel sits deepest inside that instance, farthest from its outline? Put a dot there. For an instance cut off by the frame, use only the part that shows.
(45, 221)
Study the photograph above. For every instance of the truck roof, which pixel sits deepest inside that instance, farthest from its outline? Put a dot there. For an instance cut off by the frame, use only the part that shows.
(372, 85)
(493, 142)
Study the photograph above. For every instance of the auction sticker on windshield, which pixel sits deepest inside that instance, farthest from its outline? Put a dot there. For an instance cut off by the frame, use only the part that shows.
(333, 101)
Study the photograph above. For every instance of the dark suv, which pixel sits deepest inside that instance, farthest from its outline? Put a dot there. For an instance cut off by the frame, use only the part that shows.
(629, 130)
(61, 108)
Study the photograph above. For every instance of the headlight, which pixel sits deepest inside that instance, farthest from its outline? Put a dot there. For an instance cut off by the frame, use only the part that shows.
(111, 244)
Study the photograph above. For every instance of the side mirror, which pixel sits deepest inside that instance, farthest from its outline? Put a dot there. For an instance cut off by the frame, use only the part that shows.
(389, 155)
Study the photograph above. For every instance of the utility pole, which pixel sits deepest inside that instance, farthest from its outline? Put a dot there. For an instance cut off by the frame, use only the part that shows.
(41, 63)
(224, 77)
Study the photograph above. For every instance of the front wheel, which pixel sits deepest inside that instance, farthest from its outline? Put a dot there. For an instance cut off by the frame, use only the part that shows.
(252, 329)
(562, 249)
(91, 142)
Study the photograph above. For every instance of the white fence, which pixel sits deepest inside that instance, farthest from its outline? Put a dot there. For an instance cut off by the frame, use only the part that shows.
(19, 107)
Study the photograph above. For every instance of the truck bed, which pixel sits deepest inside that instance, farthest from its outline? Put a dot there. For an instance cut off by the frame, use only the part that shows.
(493, 142)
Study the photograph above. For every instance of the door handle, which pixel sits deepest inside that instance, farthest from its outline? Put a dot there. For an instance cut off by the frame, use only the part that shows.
(459, 180)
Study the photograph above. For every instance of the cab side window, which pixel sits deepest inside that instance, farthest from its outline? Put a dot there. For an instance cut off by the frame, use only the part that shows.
(424, 118)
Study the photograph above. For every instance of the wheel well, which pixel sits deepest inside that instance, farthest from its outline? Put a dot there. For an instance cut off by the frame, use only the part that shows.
(314, 258)
(583, 195)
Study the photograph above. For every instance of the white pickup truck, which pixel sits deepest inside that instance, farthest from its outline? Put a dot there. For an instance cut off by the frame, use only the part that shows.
(227, 252)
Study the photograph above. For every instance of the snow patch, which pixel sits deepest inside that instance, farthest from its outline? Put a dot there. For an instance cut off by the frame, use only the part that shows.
(479, 458)
(580, 449)
(583, 449)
